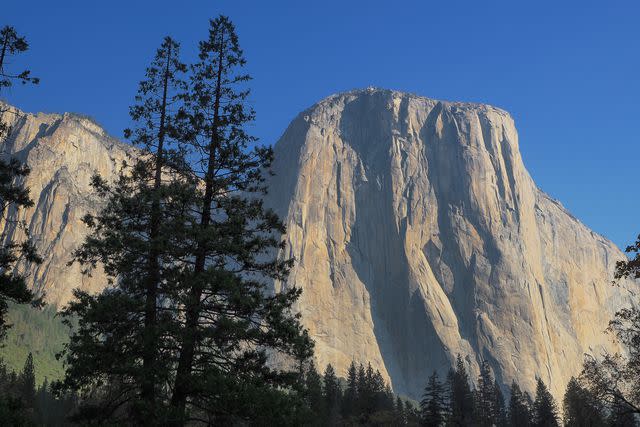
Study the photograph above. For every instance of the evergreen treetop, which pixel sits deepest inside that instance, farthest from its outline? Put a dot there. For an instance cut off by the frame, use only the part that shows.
(545, 410)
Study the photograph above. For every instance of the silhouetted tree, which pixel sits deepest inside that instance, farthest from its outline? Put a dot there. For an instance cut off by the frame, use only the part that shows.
(28, 383)
(380, 397)
(362, 389)
(191, 253)
(485, 397)
(461, 403)
(332, 396)
(231, 320)
(499, 411)
(630, 268)
(545, 410)
(372, 395)
(580, 407)
(51, 410)
(138, 239)
(615, 378)
(22, 405)
(432, 405)
(519, 408)
(11, 44)
(154, 111)
(313, 395)
(351, 393)
(13, 194)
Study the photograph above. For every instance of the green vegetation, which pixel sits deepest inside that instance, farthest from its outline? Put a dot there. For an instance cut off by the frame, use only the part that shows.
(187, 329)
(39, 332)
(13, 194)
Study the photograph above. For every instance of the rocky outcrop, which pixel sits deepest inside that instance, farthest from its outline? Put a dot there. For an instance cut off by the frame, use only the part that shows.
(417, 232)
(419, 235)
(63, 152)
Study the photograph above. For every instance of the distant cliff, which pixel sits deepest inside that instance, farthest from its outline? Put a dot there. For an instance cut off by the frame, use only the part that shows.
(63, 152)
(419, 234)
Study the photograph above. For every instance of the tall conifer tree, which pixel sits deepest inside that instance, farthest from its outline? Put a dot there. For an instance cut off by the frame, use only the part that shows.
(314, 396)
(432, 405)
(519, 409)
(13, 194)
(351, 392)
(185, 331)
(499, 411)
(545, 410)
(28, 383)
(485, 397)
(460, 397)
(332, 395)
(121, 340)
(230, 319)
(155, 112)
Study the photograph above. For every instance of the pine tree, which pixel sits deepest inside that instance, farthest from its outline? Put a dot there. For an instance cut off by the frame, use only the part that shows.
(545, 411)
(351, 393)
(378, 392)
(313, 394)
(519, 409)
(432, 405)
(120, 337)
(362, 387)
(400, 412)
(484, 397)
(13, 195)
(230, 320)
(499, 412)
(43, 407)
(332, 396)
(460, 397)
(11, 44)
(580, 407)
(386, 399)
(28, 383)
(155, 98)
(191, 261)
(11, 406)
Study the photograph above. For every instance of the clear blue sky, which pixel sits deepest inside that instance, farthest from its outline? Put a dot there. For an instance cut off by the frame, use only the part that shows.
(568, 72)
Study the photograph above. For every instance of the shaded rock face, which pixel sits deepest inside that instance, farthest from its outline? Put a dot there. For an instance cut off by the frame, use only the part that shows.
(419, 235)
(63, 152)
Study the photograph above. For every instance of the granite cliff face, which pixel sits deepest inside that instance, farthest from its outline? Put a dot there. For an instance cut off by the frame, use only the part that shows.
(63, 152)
(419, 235)
(417, 231)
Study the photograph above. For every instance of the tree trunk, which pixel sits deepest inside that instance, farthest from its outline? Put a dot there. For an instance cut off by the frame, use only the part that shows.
(190, 338)
(149, 357)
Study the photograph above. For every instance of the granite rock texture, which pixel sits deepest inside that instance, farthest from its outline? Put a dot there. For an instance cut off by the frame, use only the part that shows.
(420, 235)
(63, 152)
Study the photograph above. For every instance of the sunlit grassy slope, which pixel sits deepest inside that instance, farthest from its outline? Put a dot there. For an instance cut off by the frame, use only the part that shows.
(38, 331)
